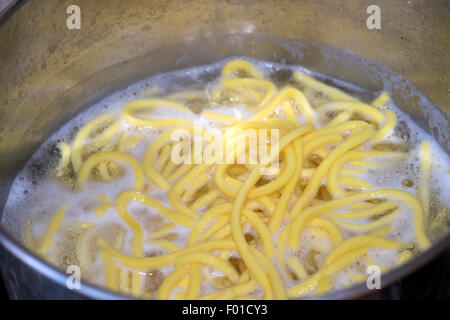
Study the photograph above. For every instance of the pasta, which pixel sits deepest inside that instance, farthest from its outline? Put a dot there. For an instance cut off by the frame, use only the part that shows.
(279, 224)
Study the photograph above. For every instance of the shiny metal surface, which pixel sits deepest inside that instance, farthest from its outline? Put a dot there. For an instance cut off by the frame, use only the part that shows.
(49, 73)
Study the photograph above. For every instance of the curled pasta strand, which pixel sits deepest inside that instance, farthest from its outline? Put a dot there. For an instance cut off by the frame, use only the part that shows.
(97, 158)
(301, 220)
(324, 166)
(128, 113)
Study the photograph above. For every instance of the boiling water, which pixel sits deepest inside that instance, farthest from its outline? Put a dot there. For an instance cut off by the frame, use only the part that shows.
(36, 195)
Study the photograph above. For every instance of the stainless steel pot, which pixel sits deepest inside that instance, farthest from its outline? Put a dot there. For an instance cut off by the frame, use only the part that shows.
(50, 73)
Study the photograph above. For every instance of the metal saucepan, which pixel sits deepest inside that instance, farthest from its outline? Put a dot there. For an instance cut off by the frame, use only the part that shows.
(49, 73)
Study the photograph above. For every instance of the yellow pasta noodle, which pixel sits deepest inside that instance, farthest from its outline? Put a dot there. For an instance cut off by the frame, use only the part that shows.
(246, 189)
